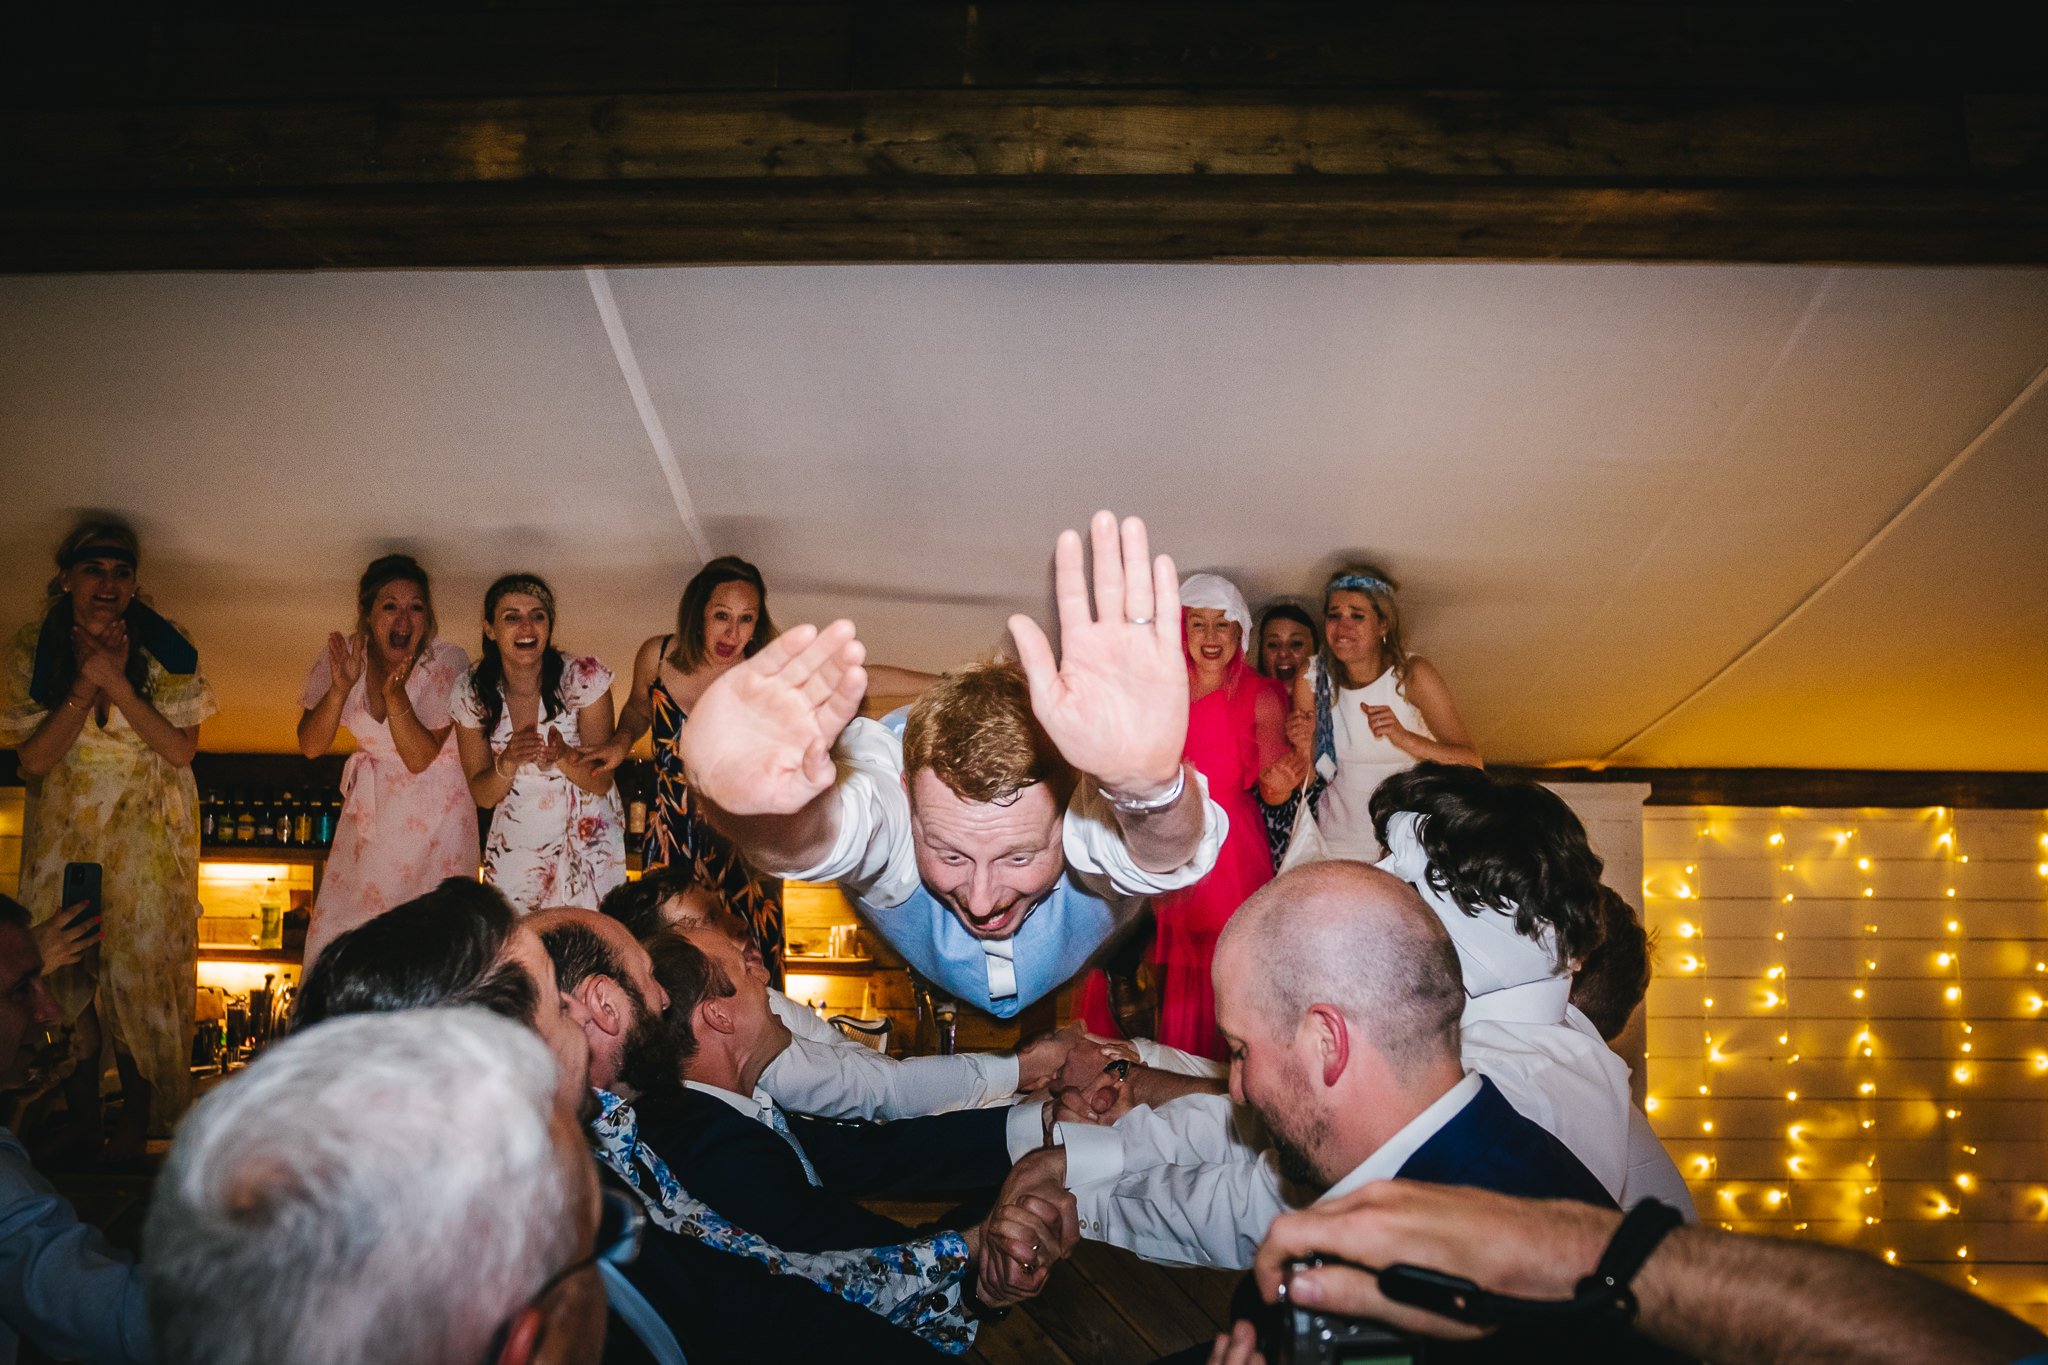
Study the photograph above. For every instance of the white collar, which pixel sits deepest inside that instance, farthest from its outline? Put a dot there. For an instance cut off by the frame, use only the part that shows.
(1492, 953)
(1393, 1154)
(755, 1108)
(999, 955)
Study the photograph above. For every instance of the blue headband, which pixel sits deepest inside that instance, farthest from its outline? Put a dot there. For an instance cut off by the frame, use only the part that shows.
(1358, 582)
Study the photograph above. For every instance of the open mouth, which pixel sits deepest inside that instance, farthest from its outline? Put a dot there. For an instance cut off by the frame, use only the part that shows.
(399, 641)
(526, 642)
(725, 651)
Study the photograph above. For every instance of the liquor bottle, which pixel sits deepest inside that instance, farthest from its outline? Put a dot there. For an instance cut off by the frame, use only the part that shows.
(224, 817)
(266, 823)
(271, 907)
(208, 809)
(285, 805)
(245, 821)
(303, 821)
(330, 812)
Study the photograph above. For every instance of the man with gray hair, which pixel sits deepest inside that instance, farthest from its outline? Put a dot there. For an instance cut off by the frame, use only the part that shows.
(404, 1188)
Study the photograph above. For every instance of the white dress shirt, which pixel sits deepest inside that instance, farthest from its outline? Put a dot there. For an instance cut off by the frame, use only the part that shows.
(827, 1074)
(874, 858)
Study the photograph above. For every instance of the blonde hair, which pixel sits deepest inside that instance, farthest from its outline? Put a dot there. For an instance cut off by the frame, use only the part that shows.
(974, 729)
(1378, 587)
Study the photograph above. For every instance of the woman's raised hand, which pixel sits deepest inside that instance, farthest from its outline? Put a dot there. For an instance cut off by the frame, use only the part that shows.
(345, 654)
(395, 696)
(1301, 730)
(1387, 726)
(760, 739)
(1116, 703)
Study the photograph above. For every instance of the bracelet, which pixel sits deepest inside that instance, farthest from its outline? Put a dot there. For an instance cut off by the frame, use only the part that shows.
(73, 701)
(1153, 806)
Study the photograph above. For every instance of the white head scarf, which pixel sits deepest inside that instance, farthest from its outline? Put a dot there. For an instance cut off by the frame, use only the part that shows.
(1492, 953)
(1218, 593)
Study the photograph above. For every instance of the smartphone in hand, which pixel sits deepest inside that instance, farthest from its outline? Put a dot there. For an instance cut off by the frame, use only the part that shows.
(82, 883)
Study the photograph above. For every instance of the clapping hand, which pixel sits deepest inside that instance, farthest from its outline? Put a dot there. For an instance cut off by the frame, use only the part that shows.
(345, 655)
(395, 696)
(1035, 1223)
(1116, 704)
(526, 746)
(760, 739)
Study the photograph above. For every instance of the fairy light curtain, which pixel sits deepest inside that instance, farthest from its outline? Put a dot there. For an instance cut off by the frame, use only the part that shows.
(1846, 1033)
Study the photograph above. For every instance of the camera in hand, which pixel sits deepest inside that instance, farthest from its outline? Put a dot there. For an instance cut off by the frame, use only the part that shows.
(1301, 1336)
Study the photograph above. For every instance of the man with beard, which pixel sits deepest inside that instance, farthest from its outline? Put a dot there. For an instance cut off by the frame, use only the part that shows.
(1338, 995)
(934, 1287)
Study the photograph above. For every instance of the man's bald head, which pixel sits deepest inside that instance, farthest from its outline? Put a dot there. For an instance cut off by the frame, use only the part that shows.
(1346, 934)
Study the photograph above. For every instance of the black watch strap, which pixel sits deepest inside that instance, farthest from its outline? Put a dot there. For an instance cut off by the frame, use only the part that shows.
(1607, 1290)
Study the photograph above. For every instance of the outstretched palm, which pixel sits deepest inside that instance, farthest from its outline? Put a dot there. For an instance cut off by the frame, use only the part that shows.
(1116, 704)
(759, 741)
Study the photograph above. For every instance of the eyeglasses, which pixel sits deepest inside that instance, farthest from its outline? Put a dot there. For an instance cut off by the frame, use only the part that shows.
(620, 1223)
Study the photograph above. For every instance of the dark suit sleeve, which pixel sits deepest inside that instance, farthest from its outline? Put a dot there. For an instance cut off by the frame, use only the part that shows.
(746, 1172)
(943, 1155)
(726, 1308)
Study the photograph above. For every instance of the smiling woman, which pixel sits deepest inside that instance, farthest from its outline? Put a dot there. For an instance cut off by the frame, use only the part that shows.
(527, 718)
(104, 699)
(403, 791)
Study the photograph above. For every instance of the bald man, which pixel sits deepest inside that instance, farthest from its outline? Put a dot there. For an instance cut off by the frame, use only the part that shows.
(1338, 994)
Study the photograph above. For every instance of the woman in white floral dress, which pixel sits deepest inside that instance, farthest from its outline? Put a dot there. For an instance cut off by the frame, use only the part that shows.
(522, 715)
(102, 698)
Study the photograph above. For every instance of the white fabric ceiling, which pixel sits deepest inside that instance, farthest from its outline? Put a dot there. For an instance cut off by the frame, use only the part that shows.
(1606, 487)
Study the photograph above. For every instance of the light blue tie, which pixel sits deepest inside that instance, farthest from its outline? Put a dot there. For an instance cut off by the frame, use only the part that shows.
(780, 1123)
(637, 1313)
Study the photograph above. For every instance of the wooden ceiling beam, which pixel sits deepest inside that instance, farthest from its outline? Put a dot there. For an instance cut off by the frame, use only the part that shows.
(1000, 132)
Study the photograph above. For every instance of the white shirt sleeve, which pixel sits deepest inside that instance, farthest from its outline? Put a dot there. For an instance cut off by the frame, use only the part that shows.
(1095, 844)
(824, 1073)
(1198, 1186)
(872, 857)
(1651, 1172)
(1160, 1057)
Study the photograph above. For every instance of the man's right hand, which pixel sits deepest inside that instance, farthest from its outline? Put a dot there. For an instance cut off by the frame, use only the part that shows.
(760, 739)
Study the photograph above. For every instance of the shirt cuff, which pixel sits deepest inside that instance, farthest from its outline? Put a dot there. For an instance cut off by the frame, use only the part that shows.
(1093, 1153)
(998, 1072)
(1024, 1129)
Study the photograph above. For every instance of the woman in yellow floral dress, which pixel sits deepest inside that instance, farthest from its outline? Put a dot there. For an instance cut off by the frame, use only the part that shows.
(102, 699)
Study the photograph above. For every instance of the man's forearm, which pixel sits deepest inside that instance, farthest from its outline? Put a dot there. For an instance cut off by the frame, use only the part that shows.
(780, 844)
(1162, 840)
(1727, 1298)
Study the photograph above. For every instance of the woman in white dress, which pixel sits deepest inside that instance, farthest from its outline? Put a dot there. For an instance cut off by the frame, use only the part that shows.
(1364, 709)
(524, 716)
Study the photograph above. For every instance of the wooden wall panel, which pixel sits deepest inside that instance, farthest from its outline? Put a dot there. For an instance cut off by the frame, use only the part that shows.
(1872, 1068)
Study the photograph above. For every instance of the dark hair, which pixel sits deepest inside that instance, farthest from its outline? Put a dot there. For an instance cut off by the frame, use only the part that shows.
(1613, 979)
(580, 953)
(637, 904)
(687, 652)
(487, 677)
(99, 530)
(690, 978)
(13, 912)
(382, 573)
(1288, 611)
(1499, 846)
(443, 948)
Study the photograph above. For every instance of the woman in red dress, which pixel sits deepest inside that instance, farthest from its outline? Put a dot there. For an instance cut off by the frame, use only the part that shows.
(1236, 729)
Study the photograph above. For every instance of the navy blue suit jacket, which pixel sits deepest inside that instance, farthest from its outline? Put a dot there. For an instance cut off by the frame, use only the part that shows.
(1488, 1145)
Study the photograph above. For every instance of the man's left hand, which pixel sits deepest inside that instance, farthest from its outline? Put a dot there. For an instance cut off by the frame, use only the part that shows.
(1116, 703)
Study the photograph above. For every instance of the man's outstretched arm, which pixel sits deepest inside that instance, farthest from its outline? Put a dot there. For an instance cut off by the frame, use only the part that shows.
(1116, 702)
(758, 747)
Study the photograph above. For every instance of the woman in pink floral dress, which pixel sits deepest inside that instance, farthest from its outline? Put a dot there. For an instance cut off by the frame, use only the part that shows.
(407, 821)
(524, 716)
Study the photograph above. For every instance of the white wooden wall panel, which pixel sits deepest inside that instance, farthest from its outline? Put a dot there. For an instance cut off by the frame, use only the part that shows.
(1845, 1033)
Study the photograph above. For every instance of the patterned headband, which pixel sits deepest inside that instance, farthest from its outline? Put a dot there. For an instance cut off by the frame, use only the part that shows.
(1359, 582)
(528, 587)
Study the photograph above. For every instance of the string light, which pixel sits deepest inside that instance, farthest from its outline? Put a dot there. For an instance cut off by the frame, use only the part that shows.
(1857, 860)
